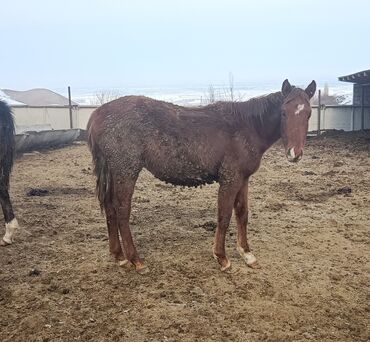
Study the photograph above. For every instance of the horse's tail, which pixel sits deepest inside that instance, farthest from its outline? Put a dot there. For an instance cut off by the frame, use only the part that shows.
(104, 179)
(7, 143)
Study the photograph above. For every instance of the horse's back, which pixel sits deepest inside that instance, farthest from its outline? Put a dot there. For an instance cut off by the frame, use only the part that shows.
(141, 117)
(183, 146)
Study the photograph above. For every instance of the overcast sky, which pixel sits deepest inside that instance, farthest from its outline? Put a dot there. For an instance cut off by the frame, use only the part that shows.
(112, 43)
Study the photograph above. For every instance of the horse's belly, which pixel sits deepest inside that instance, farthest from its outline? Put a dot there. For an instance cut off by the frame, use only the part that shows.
(181, 163)
(187, 181)
(182, 174)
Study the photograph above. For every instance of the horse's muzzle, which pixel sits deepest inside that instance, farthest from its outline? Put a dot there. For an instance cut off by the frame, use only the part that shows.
(293, 157)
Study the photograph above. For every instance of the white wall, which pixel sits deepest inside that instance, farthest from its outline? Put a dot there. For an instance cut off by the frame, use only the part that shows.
(84, 116)
(347, 118)
(51, 116)
(332, 117)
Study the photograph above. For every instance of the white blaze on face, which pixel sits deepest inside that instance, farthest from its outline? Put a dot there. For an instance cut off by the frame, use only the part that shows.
(300, 107)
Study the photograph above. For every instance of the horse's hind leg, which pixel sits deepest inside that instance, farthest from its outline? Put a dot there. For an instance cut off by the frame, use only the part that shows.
(114, 242)
(124, 189)
(11, 223)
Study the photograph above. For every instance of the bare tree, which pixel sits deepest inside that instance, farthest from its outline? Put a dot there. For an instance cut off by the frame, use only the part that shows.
(210, 96)
(229, 92)
(326, 98)
(326, 90)
(231, 87)
(104, 96)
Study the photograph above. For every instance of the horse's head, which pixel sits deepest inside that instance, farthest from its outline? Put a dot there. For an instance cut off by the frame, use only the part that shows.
(295, 112)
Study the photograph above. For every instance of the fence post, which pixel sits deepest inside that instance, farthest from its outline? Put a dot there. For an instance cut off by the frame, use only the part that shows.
(362, 107)
(70, 107)
(319, 114)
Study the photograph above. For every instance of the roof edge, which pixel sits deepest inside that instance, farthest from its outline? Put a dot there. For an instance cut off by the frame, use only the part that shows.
(357, 76)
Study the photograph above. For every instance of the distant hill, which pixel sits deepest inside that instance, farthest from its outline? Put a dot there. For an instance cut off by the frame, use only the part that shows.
(36, 97)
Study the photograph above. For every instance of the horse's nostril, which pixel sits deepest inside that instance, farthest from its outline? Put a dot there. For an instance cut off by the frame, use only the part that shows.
(292, 156)
(297, 158)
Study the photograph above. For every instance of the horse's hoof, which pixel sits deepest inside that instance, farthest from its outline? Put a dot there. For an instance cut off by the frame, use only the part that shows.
(226, 268)
(142, 269)
(254, 265)
(3, 243)
(224, 263)
(248, 257)
(124, 263)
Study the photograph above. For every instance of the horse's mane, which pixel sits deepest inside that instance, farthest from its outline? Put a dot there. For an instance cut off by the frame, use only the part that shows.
(252, 111)
(258, 107)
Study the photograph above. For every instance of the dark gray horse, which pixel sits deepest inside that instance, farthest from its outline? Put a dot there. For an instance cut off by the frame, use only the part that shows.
(7, 147)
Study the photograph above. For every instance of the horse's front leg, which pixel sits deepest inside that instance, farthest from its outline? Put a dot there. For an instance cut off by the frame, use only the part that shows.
(226, 198)
(241, 215)
(11, 223)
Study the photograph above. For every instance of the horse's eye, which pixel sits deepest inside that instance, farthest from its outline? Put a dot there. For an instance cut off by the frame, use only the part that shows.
(283, 114)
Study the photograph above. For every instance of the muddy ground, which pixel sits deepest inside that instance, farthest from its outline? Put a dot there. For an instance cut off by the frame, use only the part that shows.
(310, 235)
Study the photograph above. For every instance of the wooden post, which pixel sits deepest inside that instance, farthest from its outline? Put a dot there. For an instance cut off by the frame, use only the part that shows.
(70, 107)
(362, 107)
(319, 114)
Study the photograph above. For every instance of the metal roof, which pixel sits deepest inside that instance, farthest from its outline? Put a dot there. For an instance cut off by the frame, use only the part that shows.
(37, 97)
(361, 77)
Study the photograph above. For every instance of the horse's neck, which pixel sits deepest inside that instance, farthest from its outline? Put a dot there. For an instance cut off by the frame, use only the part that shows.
(272, 130)
(265, 128)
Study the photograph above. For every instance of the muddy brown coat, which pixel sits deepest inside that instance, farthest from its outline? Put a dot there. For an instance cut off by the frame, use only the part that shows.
(222, 142)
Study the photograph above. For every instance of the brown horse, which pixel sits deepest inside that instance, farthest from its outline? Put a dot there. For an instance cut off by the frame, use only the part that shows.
(222, 142)
(7, 147)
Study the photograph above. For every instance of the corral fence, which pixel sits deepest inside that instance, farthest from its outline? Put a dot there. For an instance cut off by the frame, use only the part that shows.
(51, 117)
(324, 117)
(40, 127)
(339, 117)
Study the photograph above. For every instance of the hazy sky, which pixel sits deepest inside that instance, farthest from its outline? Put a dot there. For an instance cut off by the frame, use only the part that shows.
(111, 43)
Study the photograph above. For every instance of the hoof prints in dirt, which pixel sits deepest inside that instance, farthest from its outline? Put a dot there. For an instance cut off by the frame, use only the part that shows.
(37, 192)
(58, 191)
(313, 284)
(344, 190)
(291, 192)
(209, 226)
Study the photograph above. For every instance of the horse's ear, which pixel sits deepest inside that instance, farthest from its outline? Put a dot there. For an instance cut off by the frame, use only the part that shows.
(310, 90)
(286, 87)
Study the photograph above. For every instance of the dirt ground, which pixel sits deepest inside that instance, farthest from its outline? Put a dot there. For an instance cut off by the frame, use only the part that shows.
(309, 233)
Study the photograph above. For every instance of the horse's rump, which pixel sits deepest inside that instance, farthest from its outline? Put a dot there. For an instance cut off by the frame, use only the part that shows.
(101, 170)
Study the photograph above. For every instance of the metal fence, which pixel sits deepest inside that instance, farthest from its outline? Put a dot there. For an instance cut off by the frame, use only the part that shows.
(323, 117)
(51, 117)
(340, 117)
